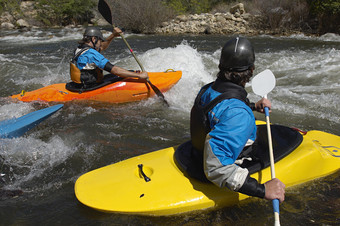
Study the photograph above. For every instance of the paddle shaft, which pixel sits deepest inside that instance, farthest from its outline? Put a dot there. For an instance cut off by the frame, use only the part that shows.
(272, 167)
(131, 51)
(262, 84)
(106, 12)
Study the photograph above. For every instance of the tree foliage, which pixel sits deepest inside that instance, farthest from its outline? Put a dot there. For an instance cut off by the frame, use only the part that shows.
(9, 6)
(324, 6)
(327, 13)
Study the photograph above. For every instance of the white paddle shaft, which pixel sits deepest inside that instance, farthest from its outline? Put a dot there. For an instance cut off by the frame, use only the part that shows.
(262, 84)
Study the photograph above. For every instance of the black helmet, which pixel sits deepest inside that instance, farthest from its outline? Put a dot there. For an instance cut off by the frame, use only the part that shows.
(237, 55)
(93, 32)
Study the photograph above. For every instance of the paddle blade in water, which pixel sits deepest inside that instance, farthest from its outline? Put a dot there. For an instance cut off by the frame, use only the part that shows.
(263, 83)
(158, 93)
(105, 11)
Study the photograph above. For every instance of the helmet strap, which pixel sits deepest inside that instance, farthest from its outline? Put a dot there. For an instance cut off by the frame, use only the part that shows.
(95, 43)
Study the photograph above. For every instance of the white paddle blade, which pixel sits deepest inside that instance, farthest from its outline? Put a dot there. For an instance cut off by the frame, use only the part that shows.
(263, 83)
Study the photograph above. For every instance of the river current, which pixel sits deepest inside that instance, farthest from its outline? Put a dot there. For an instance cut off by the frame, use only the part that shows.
(46, 162)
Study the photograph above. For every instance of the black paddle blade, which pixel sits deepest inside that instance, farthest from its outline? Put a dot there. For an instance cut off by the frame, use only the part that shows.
(105, 11)
(159, 93)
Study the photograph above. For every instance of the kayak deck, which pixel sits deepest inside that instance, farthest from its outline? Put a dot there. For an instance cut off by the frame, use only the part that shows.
(126, 90)
(121, 187)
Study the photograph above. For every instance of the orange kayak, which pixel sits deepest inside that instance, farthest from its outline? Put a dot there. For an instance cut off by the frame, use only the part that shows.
(125, 90)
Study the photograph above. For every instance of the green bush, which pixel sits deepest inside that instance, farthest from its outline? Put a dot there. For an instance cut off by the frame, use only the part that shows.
(10, 6)
(327, 13)
(324, 6)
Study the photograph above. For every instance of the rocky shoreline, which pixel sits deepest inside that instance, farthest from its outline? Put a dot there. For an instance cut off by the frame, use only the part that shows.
(10, 21)
(236, 21)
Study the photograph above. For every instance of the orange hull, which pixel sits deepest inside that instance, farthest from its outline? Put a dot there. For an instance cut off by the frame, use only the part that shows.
(127, 90)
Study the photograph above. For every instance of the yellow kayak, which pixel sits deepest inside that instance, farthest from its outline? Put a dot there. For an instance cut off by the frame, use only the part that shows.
(156, 184)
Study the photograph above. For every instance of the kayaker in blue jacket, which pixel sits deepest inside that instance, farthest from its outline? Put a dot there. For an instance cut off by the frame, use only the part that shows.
(230, 124)
(88, 63)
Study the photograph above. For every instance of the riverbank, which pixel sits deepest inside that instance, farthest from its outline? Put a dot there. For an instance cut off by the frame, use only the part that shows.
(236, 21)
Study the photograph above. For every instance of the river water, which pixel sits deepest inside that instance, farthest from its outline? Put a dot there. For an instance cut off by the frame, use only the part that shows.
(46, 162)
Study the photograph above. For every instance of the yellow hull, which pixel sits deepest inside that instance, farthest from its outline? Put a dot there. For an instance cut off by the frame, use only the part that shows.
(121, 188)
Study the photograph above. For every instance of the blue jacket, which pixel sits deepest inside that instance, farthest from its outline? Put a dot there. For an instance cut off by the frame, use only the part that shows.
(233, 127)
(91, 59)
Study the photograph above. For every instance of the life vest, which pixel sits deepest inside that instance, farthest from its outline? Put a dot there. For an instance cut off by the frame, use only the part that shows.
(76, 74)
(199, 121)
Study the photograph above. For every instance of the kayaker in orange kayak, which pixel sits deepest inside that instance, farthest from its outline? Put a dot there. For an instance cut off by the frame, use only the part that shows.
(87, 64)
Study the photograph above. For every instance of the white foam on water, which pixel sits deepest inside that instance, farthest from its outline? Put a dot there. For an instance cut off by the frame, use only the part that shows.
(34, 36)
(11, 110)
(183, 58)
(307, 81)
(302, 76)
(5, 59)
(328, 37)
(29, 157)
(42, 36)
(28, 160)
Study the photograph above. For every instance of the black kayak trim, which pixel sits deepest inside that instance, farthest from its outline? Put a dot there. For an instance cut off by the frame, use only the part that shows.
(79, 88)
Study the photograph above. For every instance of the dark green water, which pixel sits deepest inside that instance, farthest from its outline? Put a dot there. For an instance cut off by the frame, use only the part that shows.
(47, 161)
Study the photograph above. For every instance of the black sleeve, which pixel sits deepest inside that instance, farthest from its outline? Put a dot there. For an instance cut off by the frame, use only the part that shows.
(108, 67)
(252, 188)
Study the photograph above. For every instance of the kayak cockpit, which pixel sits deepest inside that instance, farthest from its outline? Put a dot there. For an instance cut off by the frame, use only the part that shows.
(254, 158)
(80, 88)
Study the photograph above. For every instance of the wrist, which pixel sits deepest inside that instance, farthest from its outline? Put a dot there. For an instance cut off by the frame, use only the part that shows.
(252, 188)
